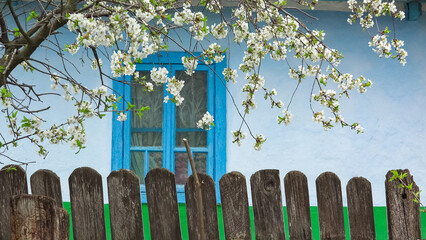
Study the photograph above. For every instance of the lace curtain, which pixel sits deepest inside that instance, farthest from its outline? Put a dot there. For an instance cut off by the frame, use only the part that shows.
(147, 131)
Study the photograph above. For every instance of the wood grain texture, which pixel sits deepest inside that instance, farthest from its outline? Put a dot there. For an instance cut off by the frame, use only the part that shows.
(235, 207)
(210, 208)
(11, 183)
(62, 224)
(32, 217)
(267, 205)
(87, 204)
(330, 207)
(162, 205)
(47, 183)
(298, 207)
(402, 212)
(360, 209)
(125, 205)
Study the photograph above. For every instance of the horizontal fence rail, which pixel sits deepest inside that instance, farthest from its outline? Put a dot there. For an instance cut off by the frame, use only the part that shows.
(41, 216)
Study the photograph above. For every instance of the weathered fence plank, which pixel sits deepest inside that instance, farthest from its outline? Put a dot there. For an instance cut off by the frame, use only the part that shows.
(32, 217)
(330, 207)
(87, 204)
(162, 205)
(360, 209)
(125, 205)
(403, 213)
(298, 207)
(12, 182)
(235, 207)
(62, 224)
(46, 183)
(267, 205)
(210, 208)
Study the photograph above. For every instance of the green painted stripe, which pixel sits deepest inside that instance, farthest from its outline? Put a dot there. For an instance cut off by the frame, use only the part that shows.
(379, 216)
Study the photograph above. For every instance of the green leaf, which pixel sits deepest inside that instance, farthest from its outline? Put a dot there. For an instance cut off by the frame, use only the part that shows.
(32, 15)
(9, 169)
(16, 32)
(130, 106)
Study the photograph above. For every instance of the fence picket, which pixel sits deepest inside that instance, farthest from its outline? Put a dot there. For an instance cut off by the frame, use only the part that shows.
(210, 208)
(330, 207)
(235, 207)
(267, 205)
(360, 209)
(87, 204)
(32, 217)
(46, 183)
(12, 182)
(403, 213)
(298, 207)
(62, 224)
(162, 205)
(125, 205)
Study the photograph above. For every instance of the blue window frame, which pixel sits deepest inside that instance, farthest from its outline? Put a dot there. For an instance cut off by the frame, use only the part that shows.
(125, 151)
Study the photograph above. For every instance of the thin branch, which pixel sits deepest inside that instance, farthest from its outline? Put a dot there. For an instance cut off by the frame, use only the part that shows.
(4, 38)
(18, 23)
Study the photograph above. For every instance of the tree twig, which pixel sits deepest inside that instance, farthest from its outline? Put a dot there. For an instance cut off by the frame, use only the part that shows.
(200, 205)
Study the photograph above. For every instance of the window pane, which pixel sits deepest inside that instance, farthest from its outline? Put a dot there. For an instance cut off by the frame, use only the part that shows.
(147, 130)
(137, 164)
(192, 109)
(137, 160)
(200, 160)
(182, 165)
(181, 168)
(155, 160)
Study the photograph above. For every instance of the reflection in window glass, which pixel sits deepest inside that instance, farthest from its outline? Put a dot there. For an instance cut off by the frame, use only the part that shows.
(155, 160)
(192, 109)
(182, 165)
(147, 130)
(137, 165)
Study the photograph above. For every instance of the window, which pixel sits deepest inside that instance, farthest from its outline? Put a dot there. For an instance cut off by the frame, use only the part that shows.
(155, 139)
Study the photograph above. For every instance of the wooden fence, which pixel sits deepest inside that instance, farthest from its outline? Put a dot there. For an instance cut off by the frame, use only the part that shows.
(38, 217)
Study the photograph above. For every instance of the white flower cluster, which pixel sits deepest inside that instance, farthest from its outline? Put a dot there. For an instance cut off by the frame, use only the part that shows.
(55, 79)
(190, 63)
(184, 17)
(31, 125)
(206, 122)
(213, 53)
(230, 75)
(199, 27)
(122, 117)
(286, 119)
(259, 140)
(121, 63)
(238, 136)
(367, 12)
(95, 64)
(160, 75)
(174, 87)
(219, 31)
(318, 116)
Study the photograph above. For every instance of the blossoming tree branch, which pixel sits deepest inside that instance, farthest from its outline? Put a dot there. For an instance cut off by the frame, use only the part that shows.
(129, 31)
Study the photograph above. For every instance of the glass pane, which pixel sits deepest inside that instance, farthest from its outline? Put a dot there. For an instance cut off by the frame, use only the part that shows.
(181, 168)
(200, 160)
(182, 165)
(155, 160)
(147, 130)
(192, 109)
(137, 164)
